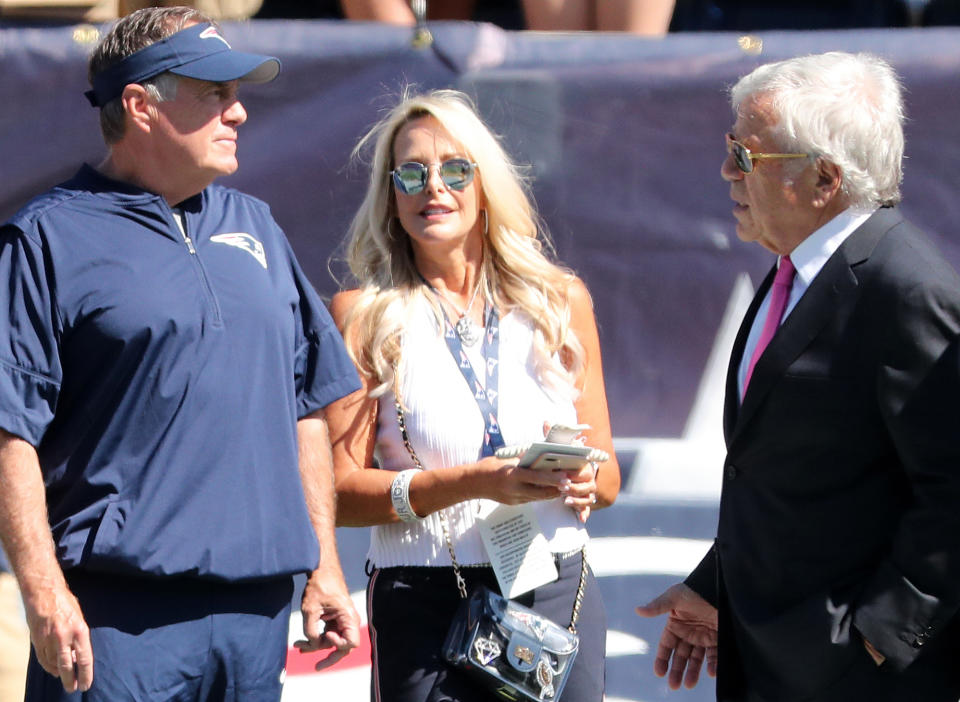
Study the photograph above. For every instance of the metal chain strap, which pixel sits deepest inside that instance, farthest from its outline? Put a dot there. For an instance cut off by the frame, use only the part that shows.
(578, 600)
(405, 436)
(461, 583)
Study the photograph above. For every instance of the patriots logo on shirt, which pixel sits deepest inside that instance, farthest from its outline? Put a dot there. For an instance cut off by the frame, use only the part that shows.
(243, 241)
(212, 33)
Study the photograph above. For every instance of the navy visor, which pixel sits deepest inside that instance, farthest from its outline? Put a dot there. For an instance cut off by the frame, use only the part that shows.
(195, 52)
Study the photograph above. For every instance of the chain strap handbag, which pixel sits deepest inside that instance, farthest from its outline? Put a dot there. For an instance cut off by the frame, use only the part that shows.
(517, 653)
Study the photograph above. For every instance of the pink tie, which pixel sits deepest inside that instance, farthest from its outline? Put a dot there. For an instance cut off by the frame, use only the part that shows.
(779, 295)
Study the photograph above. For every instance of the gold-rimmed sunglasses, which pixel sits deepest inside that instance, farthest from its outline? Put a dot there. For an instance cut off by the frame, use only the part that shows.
(744, 158)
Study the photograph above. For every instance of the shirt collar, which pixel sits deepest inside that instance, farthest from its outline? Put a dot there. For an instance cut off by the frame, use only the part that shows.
(812, 253)
(89, 179)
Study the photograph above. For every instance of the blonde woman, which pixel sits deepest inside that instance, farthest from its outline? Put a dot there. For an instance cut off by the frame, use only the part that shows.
(449, 260)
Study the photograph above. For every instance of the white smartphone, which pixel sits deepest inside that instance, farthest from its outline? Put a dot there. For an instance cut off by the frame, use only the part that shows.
(551, 456)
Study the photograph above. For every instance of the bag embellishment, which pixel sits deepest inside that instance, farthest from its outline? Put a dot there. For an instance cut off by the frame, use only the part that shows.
(487, 650)
(545, 677)
(524, 654)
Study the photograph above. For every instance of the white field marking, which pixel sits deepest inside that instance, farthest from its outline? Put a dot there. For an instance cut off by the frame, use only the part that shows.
(350, 685)
(620, 643)
(645, 555)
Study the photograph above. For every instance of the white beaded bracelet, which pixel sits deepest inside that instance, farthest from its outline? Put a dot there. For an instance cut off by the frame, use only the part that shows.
(400, 496)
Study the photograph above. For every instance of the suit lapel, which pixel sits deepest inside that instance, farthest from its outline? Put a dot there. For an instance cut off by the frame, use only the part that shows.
(834, 285)
(731, 405)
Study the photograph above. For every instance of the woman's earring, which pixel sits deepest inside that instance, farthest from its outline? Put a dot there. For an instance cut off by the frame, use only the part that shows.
(486, 222)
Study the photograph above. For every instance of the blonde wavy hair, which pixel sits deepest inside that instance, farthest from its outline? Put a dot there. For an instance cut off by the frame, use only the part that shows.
(516, 272)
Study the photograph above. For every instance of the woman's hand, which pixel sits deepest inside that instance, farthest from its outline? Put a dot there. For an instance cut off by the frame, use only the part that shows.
(579, 487)
(509, 484)
(580, 490)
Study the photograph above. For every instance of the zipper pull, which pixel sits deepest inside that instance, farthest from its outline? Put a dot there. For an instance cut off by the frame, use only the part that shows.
(180, 220)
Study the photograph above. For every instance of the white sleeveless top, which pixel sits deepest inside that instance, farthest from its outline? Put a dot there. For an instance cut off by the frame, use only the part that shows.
(446, 429)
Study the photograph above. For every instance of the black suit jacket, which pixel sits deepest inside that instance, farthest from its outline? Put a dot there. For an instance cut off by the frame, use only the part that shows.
(840, 508)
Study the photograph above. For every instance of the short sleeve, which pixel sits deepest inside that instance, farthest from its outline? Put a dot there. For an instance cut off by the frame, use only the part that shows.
(324, 371)
(30, 372)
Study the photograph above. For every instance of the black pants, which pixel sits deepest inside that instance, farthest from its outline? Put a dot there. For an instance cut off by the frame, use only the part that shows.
(410, 609)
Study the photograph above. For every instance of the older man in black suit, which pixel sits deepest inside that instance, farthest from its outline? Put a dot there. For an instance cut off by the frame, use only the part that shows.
(835, 575)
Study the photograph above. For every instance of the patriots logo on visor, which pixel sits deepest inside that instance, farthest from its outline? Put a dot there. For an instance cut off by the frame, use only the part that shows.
(212, 33)
(242, 240)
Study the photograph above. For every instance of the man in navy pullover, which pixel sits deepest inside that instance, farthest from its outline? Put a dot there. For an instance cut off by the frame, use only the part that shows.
(164, 365)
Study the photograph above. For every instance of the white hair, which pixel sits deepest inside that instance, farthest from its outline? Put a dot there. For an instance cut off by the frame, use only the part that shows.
(845, 108)
(516, 272)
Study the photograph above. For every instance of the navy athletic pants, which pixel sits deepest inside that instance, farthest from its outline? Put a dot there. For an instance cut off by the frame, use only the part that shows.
(177, 639)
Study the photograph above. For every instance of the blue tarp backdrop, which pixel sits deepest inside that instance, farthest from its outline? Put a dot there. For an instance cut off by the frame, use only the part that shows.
(623, 135)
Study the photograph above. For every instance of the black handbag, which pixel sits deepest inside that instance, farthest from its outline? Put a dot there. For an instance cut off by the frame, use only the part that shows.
(509, 648)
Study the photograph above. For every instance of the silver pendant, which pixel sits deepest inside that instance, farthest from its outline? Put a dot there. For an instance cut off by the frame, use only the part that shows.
(467, 331)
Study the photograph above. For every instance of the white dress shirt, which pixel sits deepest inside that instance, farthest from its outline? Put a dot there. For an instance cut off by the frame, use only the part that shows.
(808, 258)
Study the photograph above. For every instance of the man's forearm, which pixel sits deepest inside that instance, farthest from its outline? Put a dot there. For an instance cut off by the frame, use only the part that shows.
(24, 528)
(329, 618)
(58, 631)
(316, 474)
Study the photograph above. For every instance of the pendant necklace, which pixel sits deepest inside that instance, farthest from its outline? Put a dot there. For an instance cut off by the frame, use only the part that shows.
(465, 327)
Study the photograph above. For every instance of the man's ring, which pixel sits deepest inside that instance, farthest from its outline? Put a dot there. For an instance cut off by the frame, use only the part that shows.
(593, 499)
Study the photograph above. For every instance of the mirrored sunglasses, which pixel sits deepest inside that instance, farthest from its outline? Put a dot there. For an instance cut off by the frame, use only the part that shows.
(744, 158)
(411, 178)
